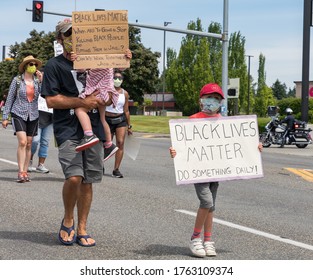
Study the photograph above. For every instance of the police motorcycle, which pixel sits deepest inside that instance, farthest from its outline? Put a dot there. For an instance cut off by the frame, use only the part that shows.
(298, 135)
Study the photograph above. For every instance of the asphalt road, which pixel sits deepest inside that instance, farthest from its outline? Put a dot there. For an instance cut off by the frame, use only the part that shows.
(145, 216)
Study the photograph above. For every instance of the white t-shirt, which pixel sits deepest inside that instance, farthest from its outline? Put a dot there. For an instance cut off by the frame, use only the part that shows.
(119, 109)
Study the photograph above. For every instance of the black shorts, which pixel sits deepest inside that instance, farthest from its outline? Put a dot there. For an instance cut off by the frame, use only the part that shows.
(115, 122)
(30, 127)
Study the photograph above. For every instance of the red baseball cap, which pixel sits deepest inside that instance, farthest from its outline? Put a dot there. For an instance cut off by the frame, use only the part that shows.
(211, 88)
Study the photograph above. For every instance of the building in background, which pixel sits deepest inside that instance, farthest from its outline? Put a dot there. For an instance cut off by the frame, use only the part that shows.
(299, 89)
(158, 107)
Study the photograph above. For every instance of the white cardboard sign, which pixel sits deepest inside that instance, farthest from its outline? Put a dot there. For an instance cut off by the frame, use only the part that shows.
(216, 149)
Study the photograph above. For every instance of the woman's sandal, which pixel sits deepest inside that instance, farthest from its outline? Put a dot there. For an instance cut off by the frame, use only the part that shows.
(26, 177)
(20, 177)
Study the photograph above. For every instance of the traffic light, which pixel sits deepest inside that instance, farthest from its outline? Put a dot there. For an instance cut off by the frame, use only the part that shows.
(231, 92)
(37, 11)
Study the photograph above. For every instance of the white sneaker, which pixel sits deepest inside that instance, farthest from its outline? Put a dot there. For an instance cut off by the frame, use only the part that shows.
(196, 247)
(30, 167)
(209, 248)
(42, 169)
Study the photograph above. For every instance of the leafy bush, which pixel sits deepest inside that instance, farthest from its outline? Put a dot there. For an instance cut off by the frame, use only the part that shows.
(262, 122)
(295, 105)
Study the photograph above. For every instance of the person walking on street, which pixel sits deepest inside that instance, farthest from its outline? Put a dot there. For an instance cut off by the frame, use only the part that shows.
(22, 104)
(211, 96)
(81, 169)
(42, 139)
(2, 103)
(118, 118)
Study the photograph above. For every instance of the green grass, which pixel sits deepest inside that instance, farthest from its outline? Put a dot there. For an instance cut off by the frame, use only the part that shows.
(159, 124)
(151, 124)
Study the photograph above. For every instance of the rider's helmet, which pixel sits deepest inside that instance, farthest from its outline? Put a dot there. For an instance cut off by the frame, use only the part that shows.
(289, 111)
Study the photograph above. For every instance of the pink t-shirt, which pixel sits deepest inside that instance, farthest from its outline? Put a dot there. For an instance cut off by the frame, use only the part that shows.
(202, 115)
(102, 80)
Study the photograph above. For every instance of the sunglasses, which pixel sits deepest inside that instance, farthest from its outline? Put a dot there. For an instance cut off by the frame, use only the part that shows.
(32, 64)
(68, 33)
(118, 78)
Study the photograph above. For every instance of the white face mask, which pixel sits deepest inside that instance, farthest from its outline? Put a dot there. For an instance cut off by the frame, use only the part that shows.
(210, 105)
(117, 82)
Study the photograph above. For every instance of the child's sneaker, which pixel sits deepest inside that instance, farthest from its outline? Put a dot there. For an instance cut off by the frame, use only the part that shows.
(87, 142)
(108, 152)
(196, 247)
(209, 248)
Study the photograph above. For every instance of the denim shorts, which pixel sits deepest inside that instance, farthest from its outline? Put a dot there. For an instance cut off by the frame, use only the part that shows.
(206, 193)
(87, 164)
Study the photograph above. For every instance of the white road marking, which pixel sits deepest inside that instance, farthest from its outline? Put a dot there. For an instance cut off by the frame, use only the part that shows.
(8, 161)
(15, 163)
(254, 231)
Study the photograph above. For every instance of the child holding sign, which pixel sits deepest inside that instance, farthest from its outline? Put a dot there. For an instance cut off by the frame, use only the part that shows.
(211, 96)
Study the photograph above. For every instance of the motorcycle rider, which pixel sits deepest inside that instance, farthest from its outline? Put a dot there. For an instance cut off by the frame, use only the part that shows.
(289, 121)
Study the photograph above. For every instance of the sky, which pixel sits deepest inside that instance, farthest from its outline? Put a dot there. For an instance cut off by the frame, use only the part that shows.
(273, 28)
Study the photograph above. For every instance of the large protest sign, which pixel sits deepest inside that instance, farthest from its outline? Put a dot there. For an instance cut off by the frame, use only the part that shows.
(100, 39)
(216, 149)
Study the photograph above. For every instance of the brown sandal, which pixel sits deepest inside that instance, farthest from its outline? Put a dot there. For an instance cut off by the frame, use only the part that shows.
(20, 177)
(26, 176)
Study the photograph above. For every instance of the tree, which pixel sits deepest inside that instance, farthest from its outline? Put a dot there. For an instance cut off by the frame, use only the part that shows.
(237, 68)
(141, 78)
(200, 62)
(143, 75)
(190, 71)
(171, 57)
(264, 97)
(146, 103)
(291, 92)
(279, 90)
(7, 72)
(215, 52)
(39, 45)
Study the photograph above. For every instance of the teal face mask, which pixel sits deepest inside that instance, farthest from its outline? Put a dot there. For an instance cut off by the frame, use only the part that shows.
(210, 105)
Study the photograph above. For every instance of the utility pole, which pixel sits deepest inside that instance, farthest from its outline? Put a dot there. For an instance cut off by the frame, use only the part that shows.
(307, 12)
(248, 109)
(166, 23)
(3, 52)
(224, 109)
